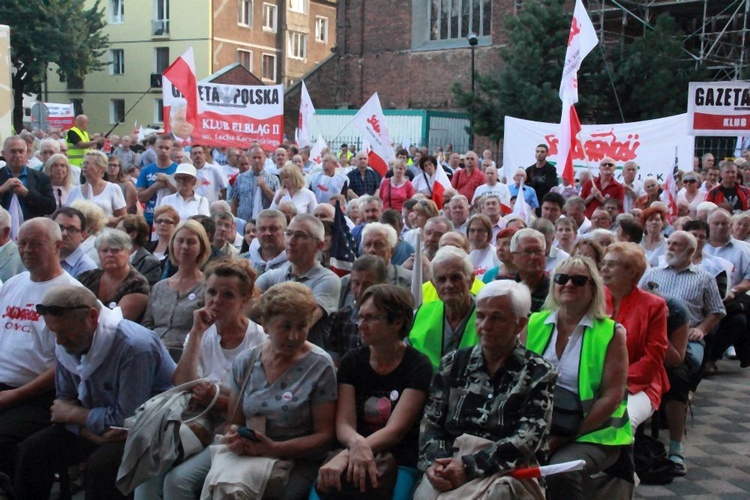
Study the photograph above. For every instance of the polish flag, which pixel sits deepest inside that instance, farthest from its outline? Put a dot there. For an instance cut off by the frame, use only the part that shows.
(669, 191)
(370, 122)
(306, 112)
(581, 40)
(316, 152)
(439, 185)
(547, 470)
(521, 209)
(181, 75)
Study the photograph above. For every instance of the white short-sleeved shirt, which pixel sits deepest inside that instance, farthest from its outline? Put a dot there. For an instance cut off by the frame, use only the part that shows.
(325, 186)
(109, 200)
(304, 201)
(195, 205)
(499, 189)
(482, 260)
(211, 180)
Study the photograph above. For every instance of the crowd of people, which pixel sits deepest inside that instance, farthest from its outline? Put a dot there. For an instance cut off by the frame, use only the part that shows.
(130, 268)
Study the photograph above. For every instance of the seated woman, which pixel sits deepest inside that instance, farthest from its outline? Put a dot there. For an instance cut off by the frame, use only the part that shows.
(186, 201)
(383, 387)
(220, 333)
(117, 283)
(142, 260)
(289, 396)
(590, 420)
(483, 255)
(107, 195)
(166, 219)
(116, 175)
(170, 309)
(294, 190)
(644, 317)
(589, 248)
(654, 243)
(491, 402)
(96, 219)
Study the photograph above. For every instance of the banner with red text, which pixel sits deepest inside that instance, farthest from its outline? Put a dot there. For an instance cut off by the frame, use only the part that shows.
(651, 144)
(228, 115)
(719, 108)
(61, 116)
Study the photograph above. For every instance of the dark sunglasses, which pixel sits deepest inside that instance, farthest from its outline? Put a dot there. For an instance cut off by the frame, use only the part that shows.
(577, 279)
(651, 286)
(56, 310)
(607, 164)
(689, 180)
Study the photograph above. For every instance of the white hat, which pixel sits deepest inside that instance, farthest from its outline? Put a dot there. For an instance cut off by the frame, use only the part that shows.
(186, 169)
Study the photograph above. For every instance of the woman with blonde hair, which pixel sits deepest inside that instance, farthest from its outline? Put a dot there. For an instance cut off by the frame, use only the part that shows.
(394, 191)
(166, 219)
(116, 175)
(589, 351)
(107, 195)
(61, 177)
(96, 219)
(170, 309)
(422, 211)
(294, 190)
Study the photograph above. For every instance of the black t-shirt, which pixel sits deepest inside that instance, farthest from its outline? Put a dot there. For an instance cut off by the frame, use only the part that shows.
(377, 395)
(731, 197)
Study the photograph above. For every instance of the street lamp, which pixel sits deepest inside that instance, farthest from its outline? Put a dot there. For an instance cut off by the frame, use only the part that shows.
(473, 41)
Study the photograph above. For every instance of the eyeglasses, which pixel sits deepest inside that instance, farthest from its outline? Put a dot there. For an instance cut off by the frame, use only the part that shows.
(300, 235)
(164, 221)
(577, 279)
(607, 165)
(370, 318)
(56, 310)
(688, 181)
(69, 229)
(651, 286)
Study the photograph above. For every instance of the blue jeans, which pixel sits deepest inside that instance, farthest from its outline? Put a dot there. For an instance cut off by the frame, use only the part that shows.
(183, 482)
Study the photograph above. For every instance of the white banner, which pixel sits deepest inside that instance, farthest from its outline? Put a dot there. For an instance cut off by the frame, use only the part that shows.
(651, 144)
(719, 108)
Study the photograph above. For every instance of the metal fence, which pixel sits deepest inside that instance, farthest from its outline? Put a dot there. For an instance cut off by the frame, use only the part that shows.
(335, 143)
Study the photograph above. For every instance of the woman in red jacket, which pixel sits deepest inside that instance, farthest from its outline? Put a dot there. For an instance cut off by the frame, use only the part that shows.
(644, 317)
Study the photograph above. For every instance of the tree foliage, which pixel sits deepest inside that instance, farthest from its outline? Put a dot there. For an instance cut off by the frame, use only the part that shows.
(649, 76)
(63, 32)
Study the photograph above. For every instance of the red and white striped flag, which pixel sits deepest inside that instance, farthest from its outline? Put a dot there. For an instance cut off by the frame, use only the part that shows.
(581, 40)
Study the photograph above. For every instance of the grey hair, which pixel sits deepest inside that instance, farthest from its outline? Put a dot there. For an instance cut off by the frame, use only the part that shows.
(4, 218)
(113, 238)
(719, 211)
(271, 213)
(370, 199)
(50, 142)
(691, 239)
(318, 230)
(52, 227)
(452, 253)
(70, 296)
(442, 220)
(459, 197)
(709, 206)
(544, 226)
(519, 294)
(575, 200)
(391, 238)
(219, 206)
(526, 233)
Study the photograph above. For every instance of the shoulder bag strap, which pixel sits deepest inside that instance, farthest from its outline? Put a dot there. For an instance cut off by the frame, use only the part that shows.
(253, 358)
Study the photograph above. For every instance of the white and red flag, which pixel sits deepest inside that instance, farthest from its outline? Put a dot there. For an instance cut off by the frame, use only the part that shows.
(370, 122)
(180, 75)
(306, 112)
(669, 191)
(521, 209)
(581, 40)
(440, 185)
(316, 152)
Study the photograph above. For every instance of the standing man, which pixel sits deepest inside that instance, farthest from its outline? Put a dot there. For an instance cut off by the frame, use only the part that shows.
(212, 183)
(542, 175)
(552, 206)
(328, 183)
(492, 209)
(24, 192)
(492, 186)
(459, 213)
(154, 182)
(251, 184)
(595, 192)
(267, 249)
(79, 142)
(106, 368)
(363, 180)
(73, 228)
(466, 181)
(27, 347)
(633, 187)
(128, 157)
(729, 192)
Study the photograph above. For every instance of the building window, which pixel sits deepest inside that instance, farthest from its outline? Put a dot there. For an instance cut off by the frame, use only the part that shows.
(269, 67)
(245, 58)
(117, 61)
(457, 18)
(117, 11)
(160, 23)
(77, 106)
(297, 45)
(161, 59)
(269, 17)
(159, 110)
(116, 111)
(297, 6)
(321, 29)
(245, 13)
(74, 82)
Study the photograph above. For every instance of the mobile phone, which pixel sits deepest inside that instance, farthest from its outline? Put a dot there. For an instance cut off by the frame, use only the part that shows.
(117, 428)
(247, 433)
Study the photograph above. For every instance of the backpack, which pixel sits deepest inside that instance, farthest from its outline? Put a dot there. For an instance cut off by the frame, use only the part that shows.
(651, 462)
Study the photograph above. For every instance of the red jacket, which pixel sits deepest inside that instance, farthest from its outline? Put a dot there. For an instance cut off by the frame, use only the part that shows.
(644, 317)
(716, 195)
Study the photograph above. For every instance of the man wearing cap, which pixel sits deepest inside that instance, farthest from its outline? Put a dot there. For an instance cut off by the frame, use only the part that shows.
(107, 367)
(186, 201)
(27, 347)
(595, 192)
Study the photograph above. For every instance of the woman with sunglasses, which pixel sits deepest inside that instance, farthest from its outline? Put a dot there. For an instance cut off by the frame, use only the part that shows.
(691, 193)
(622, 266)
(573, 333)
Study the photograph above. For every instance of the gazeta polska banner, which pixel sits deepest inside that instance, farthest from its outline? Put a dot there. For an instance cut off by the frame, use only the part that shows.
(652, 144)
(719, 108)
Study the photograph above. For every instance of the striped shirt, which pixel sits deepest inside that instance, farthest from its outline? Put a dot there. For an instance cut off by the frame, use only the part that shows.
(693, 286)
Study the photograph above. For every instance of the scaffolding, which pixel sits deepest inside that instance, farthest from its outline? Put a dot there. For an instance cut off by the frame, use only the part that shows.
(716, 32)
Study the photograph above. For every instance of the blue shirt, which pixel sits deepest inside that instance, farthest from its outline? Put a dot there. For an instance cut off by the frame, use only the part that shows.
(528, 193)
(244, 189)
(401, 252)
(361, 186)
(137, 368)
(146, 179)
(77, 262)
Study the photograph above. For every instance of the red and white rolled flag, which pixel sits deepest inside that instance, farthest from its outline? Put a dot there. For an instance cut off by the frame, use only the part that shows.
(547, 470)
